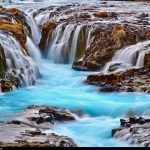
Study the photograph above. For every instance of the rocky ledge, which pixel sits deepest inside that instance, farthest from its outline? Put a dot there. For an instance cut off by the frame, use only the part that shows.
(131, 80)
(28, 129)
(135, 130)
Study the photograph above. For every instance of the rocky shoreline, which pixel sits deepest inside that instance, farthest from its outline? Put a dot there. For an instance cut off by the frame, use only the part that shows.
(132, 80)
(28, 128)
(134, 130)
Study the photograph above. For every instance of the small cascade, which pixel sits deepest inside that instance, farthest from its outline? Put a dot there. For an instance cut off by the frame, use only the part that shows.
(33, 50)
(68, 42)
(89, 39)
(45, 16)
(19, 64)
(59, 44)
(74, 43)
(36, 33)
(131, 56)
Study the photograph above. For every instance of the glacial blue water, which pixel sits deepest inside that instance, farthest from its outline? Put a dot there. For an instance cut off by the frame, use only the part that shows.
(61, 86)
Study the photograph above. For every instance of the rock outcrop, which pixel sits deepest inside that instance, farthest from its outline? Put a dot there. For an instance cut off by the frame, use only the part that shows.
(132, 80)
(16, 29)
(29, 128)
(106, 41)
(134, 130)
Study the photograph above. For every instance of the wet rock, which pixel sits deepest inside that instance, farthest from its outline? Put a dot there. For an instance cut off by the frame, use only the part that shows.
(134, 130)
(26, 131)
(14, 11)
(52, 140)
(107, 39)
(147, 60)
(115, 130)
(108, 88)
(131, 80)
(16, 29)
(56, 113)
(101, 14)
(61, 141)
(142, 15)
(46, 34)
(6, 86)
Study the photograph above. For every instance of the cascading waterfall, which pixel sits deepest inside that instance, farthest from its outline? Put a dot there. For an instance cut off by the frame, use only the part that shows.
(46, 15)
(58, 43)
(89, 39)
(36, 33)
(131, 56)
(17, 59)
(74, 43)
(63, 45)
(33, 50)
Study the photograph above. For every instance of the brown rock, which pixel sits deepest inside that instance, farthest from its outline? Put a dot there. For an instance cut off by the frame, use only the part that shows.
(119, 35)
(46, 34)
(101, 14)
(14, 11)
(16, 29)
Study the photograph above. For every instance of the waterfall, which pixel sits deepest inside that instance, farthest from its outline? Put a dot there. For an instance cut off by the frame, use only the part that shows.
(36, 33)
(89, 40)
(33, 50)
(63, 44)
(59, 46)
(19, 64)
(131, 56)
(74, 43)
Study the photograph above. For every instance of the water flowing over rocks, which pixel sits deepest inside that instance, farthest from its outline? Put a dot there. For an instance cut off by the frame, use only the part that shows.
(134, 130)
(28, 128)
(132, 80)
(89, 34)
(18, 55)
